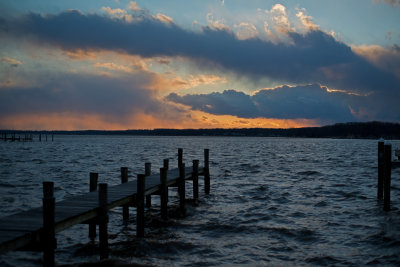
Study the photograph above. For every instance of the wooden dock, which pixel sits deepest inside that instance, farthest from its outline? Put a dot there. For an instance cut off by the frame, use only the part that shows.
(37, 227)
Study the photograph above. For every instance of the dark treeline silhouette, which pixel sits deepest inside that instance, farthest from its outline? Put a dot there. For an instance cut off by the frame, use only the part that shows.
(365, 130)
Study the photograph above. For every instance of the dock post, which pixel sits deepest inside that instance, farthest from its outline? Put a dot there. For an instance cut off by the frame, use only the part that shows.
(207, 171)
(147, 172)
(195, 178)
(182, 189)
(387, 176)
(40, 137)
(103, 221)
(180, 157)
(381, 149)
(166, 164)
(48, 235)
(166, 167)
(125, 208)
(46, 137)
(164, 194)
(140, 205)
(94, 177)
(52, 137)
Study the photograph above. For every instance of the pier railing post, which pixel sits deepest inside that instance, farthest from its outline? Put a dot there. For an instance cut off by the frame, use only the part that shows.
(94, 177)
(207, 171)
(48, 235)
(164, 194)
(182, 189)
(140, 205)
(381, 149)
(180, 157)
(103, 221)
(387, 176)
(124, 179)
(147, 172)
(195, 178)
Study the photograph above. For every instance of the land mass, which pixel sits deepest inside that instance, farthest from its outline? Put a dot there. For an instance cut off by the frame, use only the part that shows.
(362, 130)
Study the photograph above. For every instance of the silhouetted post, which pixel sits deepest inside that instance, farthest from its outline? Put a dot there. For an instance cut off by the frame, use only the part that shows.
(180, 157)
(166, 164)
(40, 137)
(181, 189)
(147, 172)
(124, 179)
(48, 235)
(52, 137)
(103, 221)
(387, 176)
(164, 194)
(381, 149)
(195, 178)
(46, 137)
(140, 205)
(166, 167)
(207, 171)
(94, 177)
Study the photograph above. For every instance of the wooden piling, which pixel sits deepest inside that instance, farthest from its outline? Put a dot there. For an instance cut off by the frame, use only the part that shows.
(147, 172)
(387, 176)
(40, 137)
(207, 171)
(381, 149)
(164, 194)
(195, 178)
(52, 137)
(46, 137)
(180, 157)
(166, 164)
(48, 235)
(124, 179)
(94, 177)
(140, 205)
(182, 189)
(103, 221)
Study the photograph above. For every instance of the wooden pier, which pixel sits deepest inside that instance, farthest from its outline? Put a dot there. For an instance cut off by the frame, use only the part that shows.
(37, 227)
(24, 137)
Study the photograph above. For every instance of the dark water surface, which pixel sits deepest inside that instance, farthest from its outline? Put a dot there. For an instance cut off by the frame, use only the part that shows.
(274, 201)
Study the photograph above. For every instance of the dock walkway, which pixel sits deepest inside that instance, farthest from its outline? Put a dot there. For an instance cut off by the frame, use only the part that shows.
(26, 228)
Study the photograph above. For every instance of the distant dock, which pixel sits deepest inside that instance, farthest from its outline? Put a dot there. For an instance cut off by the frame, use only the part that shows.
(25, 137)
(36, 228)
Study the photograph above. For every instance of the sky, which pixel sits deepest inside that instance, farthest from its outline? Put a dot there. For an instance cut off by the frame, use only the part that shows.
(116, 65)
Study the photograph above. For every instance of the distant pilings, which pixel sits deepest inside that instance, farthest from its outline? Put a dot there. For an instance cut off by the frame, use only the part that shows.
(25, 137)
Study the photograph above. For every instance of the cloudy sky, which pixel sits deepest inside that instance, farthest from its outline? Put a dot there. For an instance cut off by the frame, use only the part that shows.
(197, 64)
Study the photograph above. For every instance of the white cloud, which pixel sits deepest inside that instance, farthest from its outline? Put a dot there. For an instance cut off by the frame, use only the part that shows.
(216, 24)
(246, 30)
(164, 18)
(118, 13)
(133, 6)
(13, 62)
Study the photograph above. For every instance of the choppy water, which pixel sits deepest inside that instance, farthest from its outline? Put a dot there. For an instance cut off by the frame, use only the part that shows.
(274, 201)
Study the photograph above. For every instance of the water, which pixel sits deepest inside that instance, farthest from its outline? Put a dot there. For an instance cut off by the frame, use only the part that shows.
(274, 201)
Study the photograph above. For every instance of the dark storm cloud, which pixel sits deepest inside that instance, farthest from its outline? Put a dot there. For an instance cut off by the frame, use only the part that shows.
(315, 57)
(113, 99)
(311, 101)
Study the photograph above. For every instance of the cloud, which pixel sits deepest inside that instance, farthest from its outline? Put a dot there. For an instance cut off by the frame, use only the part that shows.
(133, 6)
(111, 99)
(286, 102)
(13, 62)
(118, 13)
(164, 18)
(314, 57)
(390, 2)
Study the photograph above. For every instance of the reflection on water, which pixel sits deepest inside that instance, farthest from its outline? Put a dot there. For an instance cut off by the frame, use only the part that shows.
(273, 201)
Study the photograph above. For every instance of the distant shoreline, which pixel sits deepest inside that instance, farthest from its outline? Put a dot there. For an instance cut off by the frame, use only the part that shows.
(351, 130)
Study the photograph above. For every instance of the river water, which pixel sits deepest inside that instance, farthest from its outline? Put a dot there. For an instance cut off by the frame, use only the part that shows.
(273, 201)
